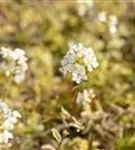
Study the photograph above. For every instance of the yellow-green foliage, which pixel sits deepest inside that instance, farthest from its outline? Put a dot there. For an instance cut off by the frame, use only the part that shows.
(44, 28)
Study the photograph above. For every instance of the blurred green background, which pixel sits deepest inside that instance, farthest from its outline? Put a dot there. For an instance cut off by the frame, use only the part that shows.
(43, 29)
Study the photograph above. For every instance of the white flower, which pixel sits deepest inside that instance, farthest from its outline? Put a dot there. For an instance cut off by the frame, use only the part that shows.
(85, 97)
(16, 114)
(111, 19)
(78, 61)
(84, 6)
(8, 125)
(5, 137)
(14, 62)
(79, 74)
(113, 24)
(113, 29)
(102, 16)
(8, 122)
(19, 77)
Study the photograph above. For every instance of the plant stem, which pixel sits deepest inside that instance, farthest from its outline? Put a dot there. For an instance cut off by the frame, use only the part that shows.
(74, 104)
(59, 145)
(90, 141)
(7, 90)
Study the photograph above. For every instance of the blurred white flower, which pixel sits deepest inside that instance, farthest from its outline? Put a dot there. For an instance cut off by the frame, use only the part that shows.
(85, 97)
(9, 118)
(102, 16)
(113, 29)
(16, 114)
(84, 6)
(111, 19)
(5, 136)
(78, 61)
(113, 24)
(13, 62)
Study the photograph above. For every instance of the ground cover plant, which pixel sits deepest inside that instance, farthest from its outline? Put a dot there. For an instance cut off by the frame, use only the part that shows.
(67, 75)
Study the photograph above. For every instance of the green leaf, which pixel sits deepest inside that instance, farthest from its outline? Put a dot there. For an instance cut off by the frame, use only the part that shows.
(48, 147)
(56, 135)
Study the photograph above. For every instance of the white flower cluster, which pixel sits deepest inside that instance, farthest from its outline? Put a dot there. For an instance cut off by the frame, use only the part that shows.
(78, 61)
(112, 20)
(13, 62)
(8, 119)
